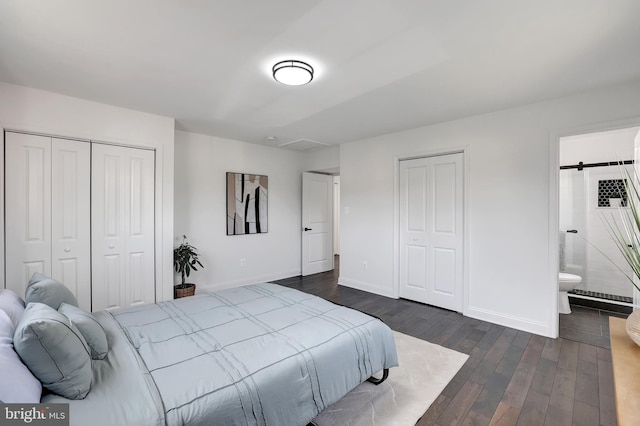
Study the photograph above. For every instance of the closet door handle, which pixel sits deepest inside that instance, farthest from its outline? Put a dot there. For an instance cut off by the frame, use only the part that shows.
(67, 250)
(112, 246)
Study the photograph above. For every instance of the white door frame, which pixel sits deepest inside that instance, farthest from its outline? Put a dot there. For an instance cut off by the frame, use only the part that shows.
(554, 208)
(465, 216)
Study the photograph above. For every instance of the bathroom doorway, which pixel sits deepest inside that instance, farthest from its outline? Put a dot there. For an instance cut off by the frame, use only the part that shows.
(590, 193)
(590, 182)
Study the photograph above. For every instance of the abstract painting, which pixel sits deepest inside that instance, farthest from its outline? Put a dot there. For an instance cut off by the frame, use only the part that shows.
(247, 197)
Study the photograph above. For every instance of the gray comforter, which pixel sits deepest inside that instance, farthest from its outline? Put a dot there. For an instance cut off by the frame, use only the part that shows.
(258, 355)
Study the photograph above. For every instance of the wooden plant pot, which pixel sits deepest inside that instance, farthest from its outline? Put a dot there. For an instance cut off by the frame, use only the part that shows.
(184, 291)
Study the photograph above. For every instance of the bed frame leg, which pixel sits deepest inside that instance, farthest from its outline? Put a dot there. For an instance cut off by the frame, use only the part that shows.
(385, 374)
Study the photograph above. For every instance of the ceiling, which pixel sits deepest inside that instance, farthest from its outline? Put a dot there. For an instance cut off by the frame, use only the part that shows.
(381, 65)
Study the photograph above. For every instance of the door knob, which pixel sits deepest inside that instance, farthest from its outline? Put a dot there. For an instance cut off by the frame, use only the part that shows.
(67, 250)
(308, 229)
(111, 246)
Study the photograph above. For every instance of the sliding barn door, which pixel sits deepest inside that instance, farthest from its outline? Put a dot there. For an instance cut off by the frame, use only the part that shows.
(122, 215)
(47, 212)
(431, 234)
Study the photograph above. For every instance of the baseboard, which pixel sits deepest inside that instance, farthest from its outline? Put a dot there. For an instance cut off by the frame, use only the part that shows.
(511, 321)
(369, 288)
(246, 281)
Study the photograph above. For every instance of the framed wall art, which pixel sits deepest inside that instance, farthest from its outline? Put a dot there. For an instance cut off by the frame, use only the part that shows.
(247, 203)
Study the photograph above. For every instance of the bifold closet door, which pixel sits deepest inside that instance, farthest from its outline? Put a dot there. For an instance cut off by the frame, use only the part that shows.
(47, 205)
(122, 215)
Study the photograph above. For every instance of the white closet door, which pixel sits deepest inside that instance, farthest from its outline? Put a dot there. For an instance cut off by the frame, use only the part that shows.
(70, 217)
(122, 214)
(431, 230)
(27, 208)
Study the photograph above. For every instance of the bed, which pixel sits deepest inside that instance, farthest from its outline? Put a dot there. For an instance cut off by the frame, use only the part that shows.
(259, 355)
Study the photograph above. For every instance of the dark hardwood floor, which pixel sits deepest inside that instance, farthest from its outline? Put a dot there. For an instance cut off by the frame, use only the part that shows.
(588, 325)
(511, 377)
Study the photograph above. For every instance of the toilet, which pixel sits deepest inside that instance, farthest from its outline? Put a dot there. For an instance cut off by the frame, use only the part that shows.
(566, 282)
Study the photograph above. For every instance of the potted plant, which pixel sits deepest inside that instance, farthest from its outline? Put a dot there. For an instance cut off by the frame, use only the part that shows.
(185, 259)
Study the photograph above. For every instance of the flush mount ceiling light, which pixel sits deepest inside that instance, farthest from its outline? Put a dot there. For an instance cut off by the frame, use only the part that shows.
(292, 72)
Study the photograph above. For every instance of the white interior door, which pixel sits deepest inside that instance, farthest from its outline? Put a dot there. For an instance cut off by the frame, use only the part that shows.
(122, 214)
(431, 230)
(317, 223)
(70, 217)
(27, 208)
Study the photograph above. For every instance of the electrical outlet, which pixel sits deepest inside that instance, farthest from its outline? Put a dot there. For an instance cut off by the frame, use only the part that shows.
(243, 263)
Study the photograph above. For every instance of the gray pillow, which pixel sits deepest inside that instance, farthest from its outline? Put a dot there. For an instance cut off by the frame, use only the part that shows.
(54, 350)
(42, 289)
(90, 328)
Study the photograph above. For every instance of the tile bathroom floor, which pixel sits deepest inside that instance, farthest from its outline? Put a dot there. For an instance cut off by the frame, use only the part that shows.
(587, 325)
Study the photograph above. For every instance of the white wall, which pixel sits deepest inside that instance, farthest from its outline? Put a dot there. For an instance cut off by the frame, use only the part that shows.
(512, 256)
(323, 160)
(598, 147)
(32, 110)
(201, 163)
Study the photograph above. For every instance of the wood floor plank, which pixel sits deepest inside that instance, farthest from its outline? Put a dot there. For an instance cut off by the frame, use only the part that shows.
(544, 376)
(460, 404)
(521, 380)
(587, 382)
(482, 373)
(505, 415)
(460, 334)
(487, 402)
(502, 344)
(569, 355)
(552, 349)
(475, 357)
(585, 415)
(588, 353)
(490, 337)
(435, 410)
(534, 409)
(558, 416)
(560, 409)
(458, 381)
(606, 392)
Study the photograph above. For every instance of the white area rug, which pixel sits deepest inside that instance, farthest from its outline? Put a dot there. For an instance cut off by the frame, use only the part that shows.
(425, 369)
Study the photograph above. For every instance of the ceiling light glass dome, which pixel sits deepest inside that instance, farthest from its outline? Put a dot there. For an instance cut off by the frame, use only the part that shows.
(292, 72)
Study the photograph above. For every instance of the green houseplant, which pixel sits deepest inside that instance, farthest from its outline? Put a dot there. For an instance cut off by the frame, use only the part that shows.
(185, 260)
(624, 227)
(625, 231)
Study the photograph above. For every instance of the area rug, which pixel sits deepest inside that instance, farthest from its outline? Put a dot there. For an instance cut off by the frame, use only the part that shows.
(425, 369)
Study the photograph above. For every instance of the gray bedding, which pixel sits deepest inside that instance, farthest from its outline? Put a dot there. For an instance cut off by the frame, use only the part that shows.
(258, 355)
